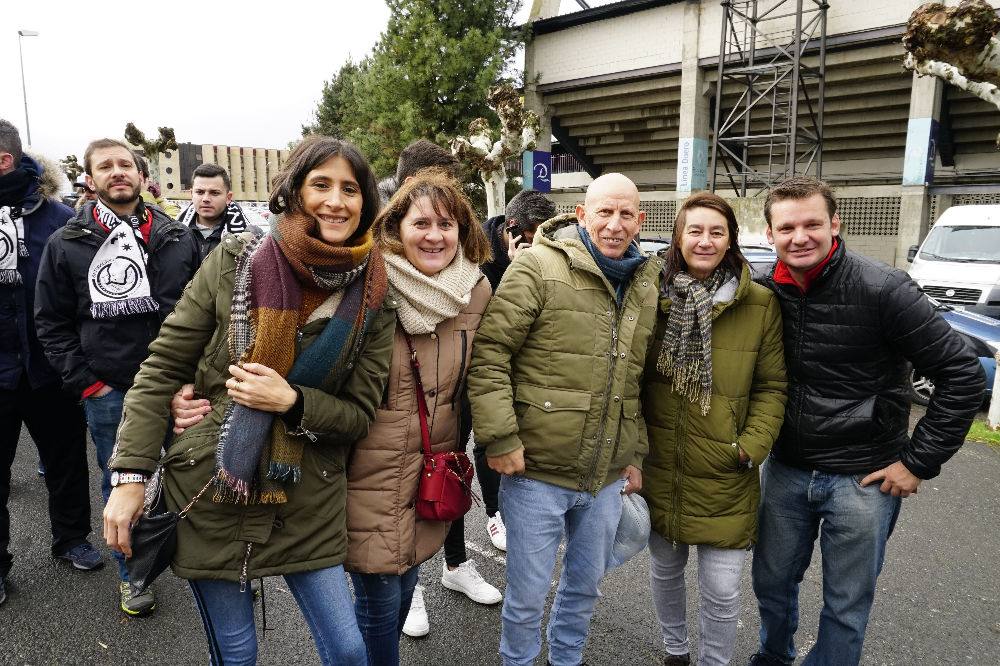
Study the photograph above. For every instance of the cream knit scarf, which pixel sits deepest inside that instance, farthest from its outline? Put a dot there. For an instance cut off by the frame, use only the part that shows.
(425, 301)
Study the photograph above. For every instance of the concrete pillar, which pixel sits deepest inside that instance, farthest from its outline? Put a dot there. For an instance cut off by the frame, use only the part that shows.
(222, 159)
(543, 9)
(208, 154)
(249, 178)
(273, 164)
(260, 166)
(918, 164)
(693, 124)
(236, 172)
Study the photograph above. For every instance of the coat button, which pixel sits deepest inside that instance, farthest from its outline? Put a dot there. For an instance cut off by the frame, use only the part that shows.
(548, 404)
(278, 523)
(432, 393)
(645, 284)
(191, 462)
(608, 440)
(622, 355)
(631, 318)
(324, 473)
(618, 398)
(609, 313)
(434, 336)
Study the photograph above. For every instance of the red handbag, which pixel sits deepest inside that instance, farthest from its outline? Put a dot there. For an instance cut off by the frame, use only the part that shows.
(445, 489)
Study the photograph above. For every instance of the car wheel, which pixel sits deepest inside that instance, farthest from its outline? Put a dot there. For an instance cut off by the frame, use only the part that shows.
(921, 388)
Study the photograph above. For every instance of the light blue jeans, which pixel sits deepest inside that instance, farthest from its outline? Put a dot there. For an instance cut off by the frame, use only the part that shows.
(719, 573)
(853, 524)
(323, 596)
(536, 515)
(103, 416)
(382, 604)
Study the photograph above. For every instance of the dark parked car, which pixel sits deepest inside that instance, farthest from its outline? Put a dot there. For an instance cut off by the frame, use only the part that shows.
(981, 333)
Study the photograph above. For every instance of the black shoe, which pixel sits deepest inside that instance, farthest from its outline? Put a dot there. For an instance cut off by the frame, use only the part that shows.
(677, 659)
(764, 660)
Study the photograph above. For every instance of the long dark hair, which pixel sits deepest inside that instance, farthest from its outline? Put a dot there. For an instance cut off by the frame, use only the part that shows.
(310, 153)
(734, 261)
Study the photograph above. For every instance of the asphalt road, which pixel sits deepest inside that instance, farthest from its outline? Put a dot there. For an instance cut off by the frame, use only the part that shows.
(938, 600)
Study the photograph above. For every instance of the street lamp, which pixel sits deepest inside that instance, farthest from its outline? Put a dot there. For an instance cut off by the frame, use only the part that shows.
(24, 90)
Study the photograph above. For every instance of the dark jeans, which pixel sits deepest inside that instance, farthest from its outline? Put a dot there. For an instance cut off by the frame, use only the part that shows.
(103, 416)
(381, 605)
(55, 422)
(489, 482)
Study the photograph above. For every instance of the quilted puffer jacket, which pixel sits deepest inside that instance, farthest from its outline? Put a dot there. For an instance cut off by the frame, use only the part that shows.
(848, 341)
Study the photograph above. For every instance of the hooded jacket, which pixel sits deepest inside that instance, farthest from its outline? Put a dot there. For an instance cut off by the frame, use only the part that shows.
(308, 531)
(849, 342)
(20, 350)
(86, 350)
(557, 363)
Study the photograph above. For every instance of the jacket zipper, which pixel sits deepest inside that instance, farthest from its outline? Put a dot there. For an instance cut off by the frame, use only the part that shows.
(678, 463)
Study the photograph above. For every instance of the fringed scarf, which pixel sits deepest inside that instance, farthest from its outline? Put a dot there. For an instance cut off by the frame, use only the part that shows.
(14, 187)
(280, 279)
(234, 220)
(117, 276)
(686, 354)
(426, 301)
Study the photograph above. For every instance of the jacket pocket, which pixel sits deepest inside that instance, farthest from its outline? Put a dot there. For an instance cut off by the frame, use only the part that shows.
(550, 424)
(628, 436)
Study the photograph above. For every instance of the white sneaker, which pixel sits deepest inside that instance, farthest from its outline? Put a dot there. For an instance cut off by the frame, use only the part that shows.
(466, 579)
(417, 624)
(497, 532)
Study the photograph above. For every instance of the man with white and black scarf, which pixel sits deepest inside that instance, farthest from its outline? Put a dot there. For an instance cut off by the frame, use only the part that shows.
(106, 282)
(213, 214)
(31, 392)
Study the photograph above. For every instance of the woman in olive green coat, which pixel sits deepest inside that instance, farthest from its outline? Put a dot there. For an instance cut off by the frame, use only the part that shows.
(288, 338)
(713, 400)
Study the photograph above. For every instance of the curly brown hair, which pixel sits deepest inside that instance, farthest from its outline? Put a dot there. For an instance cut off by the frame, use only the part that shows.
(445, 195)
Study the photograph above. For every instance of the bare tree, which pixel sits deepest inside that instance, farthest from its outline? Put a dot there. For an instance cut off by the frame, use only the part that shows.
(518, 131)
(151, 148)
(71, 167)
(958, 44)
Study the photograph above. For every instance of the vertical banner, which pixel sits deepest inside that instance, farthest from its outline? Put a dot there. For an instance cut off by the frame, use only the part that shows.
(536, 170)
(692, 164)
(921, 149)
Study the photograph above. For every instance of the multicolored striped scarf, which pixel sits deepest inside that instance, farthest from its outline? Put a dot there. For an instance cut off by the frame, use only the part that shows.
(280, 280)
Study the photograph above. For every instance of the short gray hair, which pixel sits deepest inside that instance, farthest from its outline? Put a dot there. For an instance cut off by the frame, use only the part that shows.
(10, 141)
(530, 207)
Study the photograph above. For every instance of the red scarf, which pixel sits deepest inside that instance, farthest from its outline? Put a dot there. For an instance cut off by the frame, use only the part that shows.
(783, 276)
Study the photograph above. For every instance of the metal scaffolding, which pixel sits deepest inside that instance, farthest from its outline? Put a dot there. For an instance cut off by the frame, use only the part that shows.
(768, 103)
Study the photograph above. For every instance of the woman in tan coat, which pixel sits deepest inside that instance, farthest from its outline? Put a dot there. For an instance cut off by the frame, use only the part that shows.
(432, 248)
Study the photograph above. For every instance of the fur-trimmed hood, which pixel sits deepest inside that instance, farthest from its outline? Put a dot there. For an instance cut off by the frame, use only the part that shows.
(50, 180)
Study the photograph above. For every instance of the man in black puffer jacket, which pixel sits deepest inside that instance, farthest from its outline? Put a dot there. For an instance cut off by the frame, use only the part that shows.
(106, 282)
(843, 460)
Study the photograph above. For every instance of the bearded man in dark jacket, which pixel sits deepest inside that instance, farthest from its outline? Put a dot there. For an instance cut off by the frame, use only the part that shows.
(30, 391)
(107, 281)
(843, 460)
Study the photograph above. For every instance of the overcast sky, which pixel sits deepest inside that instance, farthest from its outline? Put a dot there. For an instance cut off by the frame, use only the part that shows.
(222, 72)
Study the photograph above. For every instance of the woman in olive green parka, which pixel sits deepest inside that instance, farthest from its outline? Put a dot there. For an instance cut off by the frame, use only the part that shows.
(713, 399)
(289, 338)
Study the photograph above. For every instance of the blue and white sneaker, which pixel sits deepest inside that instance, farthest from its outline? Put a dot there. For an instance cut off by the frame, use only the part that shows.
(84, 557)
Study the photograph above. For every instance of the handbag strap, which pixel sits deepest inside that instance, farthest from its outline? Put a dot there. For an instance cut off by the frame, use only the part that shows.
(194, 500)
(425, 434)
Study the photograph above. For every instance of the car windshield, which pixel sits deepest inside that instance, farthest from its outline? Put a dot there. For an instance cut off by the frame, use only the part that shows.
(964, 244)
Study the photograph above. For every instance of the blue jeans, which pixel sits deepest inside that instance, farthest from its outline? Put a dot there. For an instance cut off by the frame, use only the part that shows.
(382, 603)
(323, 596)
(103, 417)
(536, 514)
(853, 524)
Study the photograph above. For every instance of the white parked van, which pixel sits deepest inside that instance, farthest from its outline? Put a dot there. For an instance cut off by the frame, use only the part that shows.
(959, 261)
